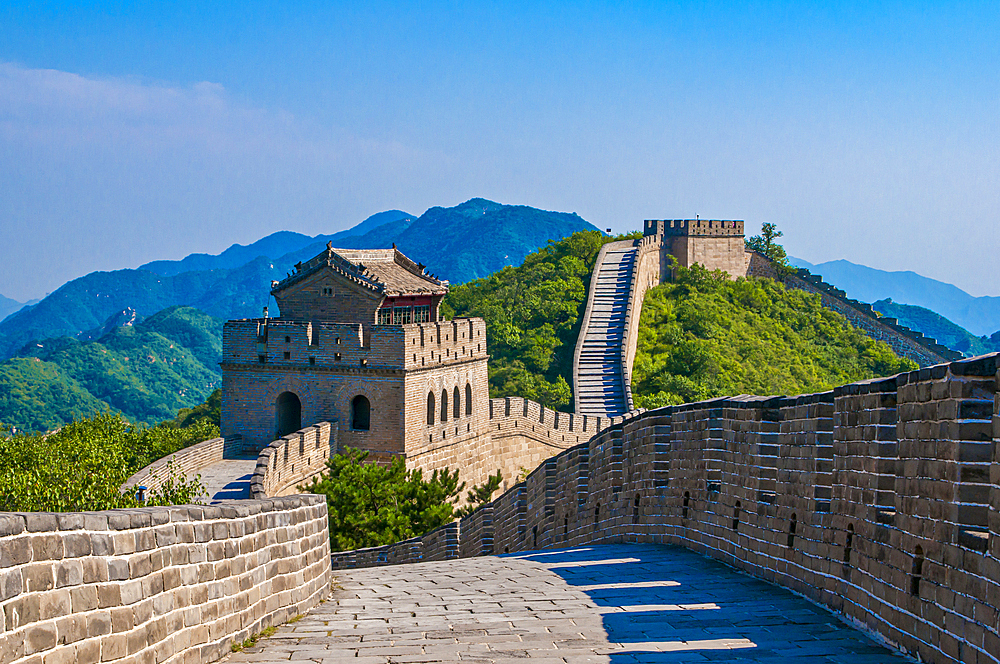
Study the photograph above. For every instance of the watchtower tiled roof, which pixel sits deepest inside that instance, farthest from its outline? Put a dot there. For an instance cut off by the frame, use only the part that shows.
(384, 271)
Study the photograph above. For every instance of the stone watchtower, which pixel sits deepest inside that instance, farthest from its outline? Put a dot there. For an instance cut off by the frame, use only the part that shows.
(357, 342)
(716, 244)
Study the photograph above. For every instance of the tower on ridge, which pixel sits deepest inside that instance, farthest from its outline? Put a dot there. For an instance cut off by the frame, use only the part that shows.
(715, 244)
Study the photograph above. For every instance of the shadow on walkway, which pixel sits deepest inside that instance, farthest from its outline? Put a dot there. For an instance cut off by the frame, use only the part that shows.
(667, 604)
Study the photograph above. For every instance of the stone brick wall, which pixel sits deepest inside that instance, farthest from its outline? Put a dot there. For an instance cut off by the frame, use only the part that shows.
(647, 272)
(327, 365)
(188, 461)
(165, 584)
(293, 460)
(323, 296)
(879, 499)
(904, 341)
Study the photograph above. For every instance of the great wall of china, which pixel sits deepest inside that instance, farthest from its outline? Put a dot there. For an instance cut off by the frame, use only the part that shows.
(880, 500)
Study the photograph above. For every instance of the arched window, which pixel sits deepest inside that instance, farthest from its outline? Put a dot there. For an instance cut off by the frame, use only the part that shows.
(444, 405)
(456, 408)
(430, 408)
(361, 411)
(288, 413)
(468, 399)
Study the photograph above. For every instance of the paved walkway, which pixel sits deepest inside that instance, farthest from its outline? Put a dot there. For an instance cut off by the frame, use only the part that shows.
(614, 604)
(228, 479)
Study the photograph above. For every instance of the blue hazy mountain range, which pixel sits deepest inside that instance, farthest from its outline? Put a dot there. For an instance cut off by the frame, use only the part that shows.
(978, 315)
(939, 328)
(461, 243)
(275, 246)
(8, 306)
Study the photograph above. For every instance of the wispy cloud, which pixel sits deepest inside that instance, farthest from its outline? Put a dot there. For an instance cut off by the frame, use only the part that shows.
(128, 171)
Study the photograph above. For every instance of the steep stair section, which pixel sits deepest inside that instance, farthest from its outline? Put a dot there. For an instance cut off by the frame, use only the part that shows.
(599, 382)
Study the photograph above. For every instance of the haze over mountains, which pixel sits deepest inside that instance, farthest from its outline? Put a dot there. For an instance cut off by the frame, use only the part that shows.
(8, 306)
(146, 341)
(978, 315)
(461, 243)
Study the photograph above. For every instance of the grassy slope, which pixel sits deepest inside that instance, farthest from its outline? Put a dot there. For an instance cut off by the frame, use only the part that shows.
(705, 336)
(939, 328)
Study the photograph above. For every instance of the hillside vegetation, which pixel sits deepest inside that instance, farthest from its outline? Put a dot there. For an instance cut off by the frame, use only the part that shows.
(81, 466)
(533, 314)
(939, 328)
(147, 372)
(705, 336)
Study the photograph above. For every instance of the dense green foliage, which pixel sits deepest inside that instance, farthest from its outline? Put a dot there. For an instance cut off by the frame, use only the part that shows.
(765, 245)
(533, 314)
(705, 336)
(210, 410)
(146, 372)
(939, 328)
(81, 466)
(372, 504)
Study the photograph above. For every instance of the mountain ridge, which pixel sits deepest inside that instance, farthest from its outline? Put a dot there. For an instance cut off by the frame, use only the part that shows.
(978, 315)
(8, 306)
(442, 238)
(274, 245)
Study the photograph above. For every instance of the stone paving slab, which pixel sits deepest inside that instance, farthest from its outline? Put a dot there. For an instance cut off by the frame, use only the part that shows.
(228, 479)
(609, 604)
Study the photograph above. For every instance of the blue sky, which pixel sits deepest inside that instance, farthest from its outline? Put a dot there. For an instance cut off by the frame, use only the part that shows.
(133, 132)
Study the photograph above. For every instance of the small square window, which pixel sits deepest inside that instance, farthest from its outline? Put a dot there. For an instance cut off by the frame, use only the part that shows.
(288, 340)
(338, 341)
(336, 357)
(288, 355)
(261, 359)
(312, 360)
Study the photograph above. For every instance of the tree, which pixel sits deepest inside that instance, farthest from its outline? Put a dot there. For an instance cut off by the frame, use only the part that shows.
(480, 495)
(373, 504)
(82, 466)
(765, 245)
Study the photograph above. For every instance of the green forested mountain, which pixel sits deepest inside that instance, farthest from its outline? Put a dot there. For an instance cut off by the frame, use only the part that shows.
(465, 242)
(533, 314)
(147, 372)
(939, 328)
(704, 336)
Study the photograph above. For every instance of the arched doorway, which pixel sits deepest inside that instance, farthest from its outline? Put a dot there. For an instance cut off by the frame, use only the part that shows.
(288, 409)
(361, 410)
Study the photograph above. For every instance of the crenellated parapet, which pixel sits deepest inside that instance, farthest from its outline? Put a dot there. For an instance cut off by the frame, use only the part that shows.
(690, 227)
(293, 460)
(879, 499)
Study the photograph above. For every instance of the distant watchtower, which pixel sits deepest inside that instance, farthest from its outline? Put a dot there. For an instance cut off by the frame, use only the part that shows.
(716, 244)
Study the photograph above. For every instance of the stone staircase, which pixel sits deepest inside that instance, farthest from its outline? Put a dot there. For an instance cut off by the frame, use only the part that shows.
(599, 383)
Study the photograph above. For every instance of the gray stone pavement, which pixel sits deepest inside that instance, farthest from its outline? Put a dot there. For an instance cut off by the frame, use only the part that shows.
(228, 479)
(613, 604)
